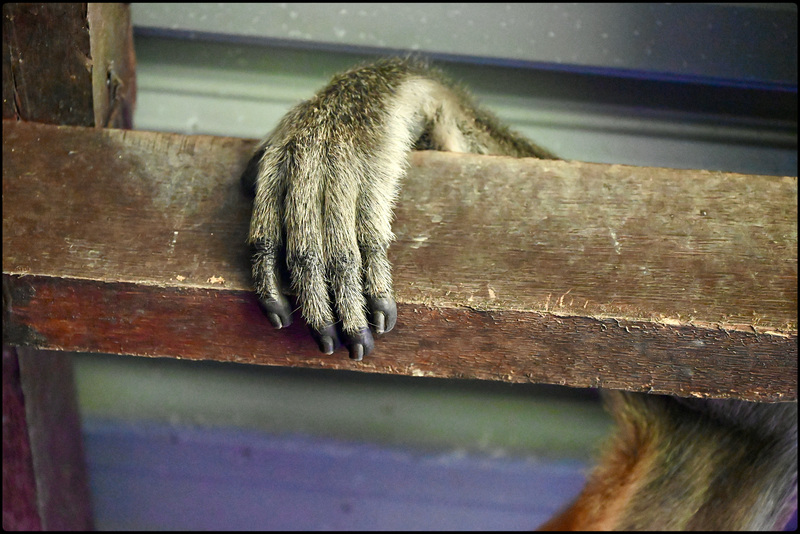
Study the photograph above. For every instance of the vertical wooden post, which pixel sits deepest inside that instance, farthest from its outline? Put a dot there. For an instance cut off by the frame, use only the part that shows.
(70, 64)
(19, 485)
(67, 64)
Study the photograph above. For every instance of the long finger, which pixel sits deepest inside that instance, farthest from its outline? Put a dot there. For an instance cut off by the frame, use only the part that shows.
(265, 233)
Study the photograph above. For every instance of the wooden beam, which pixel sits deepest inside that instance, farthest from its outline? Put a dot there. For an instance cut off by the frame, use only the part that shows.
(20, 510)
(62, 64)
(63, 498)
(69, 63)
(45, 485)
(645, 279)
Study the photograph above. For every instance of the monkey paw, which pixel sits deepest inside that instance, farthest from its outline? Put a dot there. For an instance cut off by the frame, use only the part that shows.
(322, 221)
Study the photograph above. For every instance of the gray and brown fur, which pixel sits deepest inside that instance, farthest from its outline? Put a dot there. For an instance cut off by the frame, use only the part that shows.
(690, 464)
(326, 180)
(326, 185)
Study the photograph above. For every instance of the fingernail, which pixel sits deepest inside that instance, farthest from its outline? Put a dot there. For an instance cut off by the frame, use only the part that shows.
(275, 319)
(357, 352)
(380, 322)
(326, 345)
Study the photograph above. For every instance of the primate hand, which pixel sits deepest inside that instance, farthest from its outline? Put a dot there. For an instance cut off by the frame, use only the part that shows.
(325, 185)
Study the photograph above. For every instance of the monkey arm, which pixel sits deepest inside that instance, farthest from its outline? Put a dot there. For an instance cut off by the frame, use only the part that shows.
(325, 183)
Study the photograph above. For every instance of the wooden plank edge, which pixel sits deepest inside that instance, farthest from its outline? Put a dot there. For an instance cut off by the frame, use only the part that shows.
(512, 346)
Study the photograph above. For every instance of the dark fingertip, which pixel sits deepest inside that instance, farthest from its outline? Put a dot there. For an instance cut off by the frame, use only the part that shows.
(357, 352)
(277, 311)
(359, 344)
(275, 319)
(326, 338)
(326, 345)
(384, 313)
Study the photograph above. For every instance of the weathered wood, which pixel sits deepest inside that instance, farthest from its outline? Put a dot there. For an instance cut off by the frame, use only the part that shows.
(19, 484)
(68, 63)
(62, 64)
(571, 273)
(45, 485)
(113, 64)
(54, 428)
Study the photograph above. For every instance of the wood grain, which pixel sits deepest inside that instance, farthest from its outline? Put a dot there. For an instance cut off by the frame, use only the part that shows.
(570, 273)
(62, 64)
(69, 63)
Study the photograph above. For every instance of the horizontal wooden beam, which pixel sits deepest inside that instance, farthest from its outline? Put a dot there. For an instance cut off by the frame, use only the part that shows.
(645, 279)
